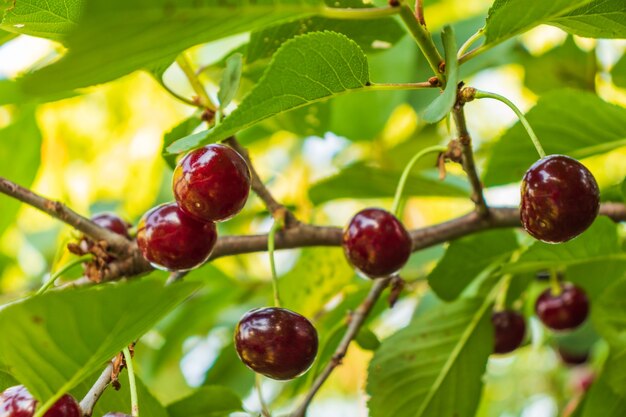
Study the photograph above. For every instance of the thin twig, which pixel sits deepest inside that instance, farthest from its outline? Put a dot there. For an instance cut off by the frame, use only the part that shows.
(89, 402)
(419, 12)
(357, 318)
(277, 210)
(117, 243)
(467, 159)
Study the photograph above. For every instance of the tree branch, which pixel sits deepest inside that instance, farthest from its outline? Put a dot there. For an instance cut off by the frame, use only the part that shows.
(467, 159)
(117, 243)
(419, 12)
(89, 402)
(357, 318)
(277, 210)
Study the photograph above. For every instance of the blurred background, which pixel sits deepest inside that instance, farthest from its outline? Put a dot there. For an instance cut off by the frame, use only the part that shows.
(101, 150)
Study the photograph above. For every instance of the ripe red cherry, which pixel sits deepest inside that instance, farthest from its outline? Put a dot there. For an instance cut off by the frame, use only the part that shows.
(112, 222)
(565, 311)
(212, 183)
(276, 342)
(560, 199)
(376, 243)
(572, 358)
(170, 239)
(509, 330)
(18, 402)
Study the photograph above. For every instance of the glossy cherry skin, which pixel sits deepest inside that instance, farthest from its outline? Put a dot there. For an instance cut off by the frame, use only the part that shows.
(169, 239)
(212, 183)
(572, 358)
(376, 243)
(509, 330)
(565, 311)
(112, 222)
(18, 402)
(276, 342)
(560, 199)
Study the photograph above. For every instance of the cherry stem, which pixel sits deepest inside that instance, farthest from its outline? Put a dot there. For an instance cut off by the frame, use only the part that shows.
(520, 115)
(271, 244)
(555, 284)
(203, 97)
(131, 382)
(61, 271)
(395, 208)
(470, 41)
(258, 382)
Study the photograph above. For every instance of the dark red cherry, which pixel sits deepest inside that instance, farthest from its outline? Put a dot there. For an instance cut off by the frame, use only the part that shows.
(276, 342)
(212, 183)
(565, 311)
(18, 402)
(170, 239)
(112, 222)
(376, 243)
(560, 199)
(509, 330)
(572, 358)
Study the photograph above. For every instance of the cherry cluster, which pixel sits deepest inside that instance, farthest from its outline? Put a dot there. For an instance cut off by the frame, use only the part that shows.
(560, 200)
(211, 184)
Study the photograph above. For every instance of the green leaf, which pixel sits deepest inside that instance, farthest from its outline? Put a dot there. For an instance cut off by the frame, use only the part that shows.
(467, 258)
(618, 73)
(319, 274)
(361, 181)
(6, 381)
(367, 339)
(615, 368)
(596, 253)
(442, 105)
(598, 19)
(230, 80)
(184, 128)
(53, 341)
(228, 370)
(419, 371)
(601, 400)
(116, 37)
(7, 36)
(508, 18)
(306, 69)
(43, 18)
(609, 314)
(18, 164)
(366, 33)
(112, 400)
(209, 401)
(570, 122)
(566, 66)
(624, 189)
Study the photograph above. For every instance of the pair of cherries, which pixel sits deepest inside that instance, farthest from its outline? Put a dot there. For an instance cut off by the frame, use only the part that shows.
(210, 184)
(559, 312)
(17, 401)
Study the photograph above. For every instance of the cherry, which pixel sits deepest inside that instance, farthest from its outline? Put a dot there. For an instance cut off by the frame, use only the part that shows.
(509, 331)
(169, 239)
(376, 243)
(572, 358)
(560, 199)
(276, 342)
(212, 183)
(18, 402)
(564, 311)
(112, 222)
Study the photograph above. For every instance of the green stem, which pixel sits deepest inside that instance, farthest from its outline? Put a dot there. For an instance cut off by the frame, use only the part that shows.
(424, 41)
(395, 208)
(270, 249)
(555, 285)
(522, 118)
(265, 411)
(185, 66)
(174, 93)
(358, 13)
(475, 52)
(134, 402)
(470, 41)
(401, 86)
(61, 271)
